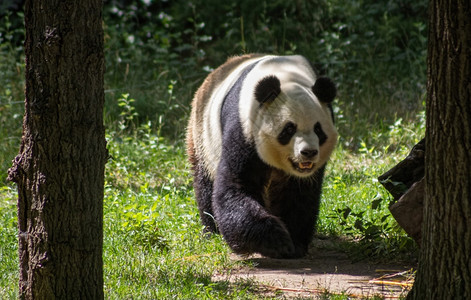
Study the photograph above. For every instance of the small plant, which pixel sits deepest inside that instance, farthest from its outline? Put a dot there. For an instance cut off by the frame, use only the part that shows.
(128, 114)
(143, 227)
(356, 223)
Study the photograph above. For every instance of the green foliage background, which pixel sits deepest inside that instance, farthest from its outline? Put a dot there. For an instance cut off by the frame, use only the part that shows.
(157, 54)
(374, 50)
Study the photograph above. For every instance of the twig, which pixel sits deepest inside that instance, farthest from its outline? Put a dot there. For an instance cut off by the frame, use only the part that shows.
(390, 282)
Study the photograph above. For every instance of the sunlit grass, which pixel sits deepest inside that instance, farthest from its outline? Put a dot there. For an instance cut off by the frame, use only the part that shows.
(8, 243)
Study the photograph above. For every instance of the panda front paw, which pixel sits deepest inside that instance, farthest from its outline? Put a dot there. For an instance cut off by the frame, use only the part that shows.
(277, 246)
(269, 237)
(280, 245)
(286, 251)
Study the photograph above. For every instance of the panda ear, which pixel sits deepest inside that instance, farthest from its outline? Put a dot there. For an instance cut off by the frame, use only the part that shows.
(324, 89)
(267, 89)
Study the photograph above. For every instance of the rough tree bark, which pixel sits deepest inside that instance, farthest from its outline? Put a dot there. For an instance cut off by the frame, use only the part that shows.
(60, 167)
(444, 270)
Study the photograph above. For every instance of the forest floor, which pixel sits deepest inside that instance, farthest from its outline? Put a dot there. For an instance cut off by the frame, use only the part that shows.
(323, 271)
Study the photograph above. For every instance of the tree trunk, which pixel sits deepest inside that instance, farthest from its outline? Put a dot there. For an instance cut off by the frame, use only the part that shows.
(445, 260)
(60, 168)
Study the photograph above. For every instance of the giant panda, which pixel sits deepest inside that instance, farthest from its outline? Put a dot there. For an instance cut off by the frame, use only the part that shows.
(260, 133)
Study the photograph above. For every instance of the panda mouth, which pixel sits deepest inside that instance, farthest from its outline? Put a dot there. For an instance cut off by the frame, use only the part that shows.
(303, 167)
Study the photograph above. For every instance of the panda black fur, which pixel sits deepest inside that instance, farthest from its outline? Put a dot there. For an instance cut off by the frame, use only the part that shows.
(260, 133)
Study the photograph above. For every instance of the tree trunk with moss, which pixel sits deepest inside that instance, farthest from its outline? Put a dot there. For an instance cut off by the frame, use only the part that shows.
(445, 260)
(60, 168)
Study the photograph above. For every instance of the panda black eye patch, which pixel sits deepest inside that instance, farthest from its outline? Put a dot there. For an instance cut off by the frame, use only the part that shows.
(320, 133)
(287, 133)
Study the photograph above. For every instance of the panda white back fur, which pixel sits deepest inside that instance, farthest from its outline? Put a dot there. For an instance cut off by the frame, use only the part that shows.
(259, 135)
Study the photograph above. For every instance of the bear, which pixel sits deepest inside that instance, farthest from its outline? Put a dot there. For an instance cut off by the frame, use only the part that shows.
(260, 133)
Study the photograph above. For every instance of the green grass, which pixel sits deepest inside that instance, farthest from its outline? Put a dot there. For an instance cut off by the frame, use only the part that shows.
(8, 243)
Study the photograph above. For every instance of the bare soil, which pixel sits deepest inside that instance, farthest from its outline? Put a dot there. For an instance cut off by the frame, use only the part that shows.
(323, 271)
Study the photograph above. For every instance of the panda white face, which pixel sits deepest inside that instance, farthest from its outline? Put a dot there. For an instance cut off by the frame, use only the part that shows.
(295, 132)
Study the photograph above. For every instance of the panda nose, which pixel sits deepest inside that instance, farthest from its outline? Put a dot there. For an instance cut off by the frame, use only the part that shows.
(309, 153)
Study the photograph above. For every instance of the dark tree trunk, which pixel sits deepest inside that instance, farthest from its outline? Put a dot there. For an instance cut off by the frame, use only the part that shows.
(445, 260)
(60, 168)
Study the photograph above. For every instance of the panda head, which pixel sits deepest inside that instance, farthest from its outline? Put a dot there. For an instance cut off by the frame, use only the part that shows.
(295, 129)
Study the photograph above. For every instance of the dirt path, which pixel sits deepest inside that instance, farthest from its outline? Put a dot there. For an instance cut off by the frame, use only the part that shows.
(323, 270)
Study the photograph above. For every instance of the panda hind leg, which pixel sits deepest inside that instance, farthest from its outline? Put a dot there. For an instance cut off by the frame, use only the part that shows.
(203, 186)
